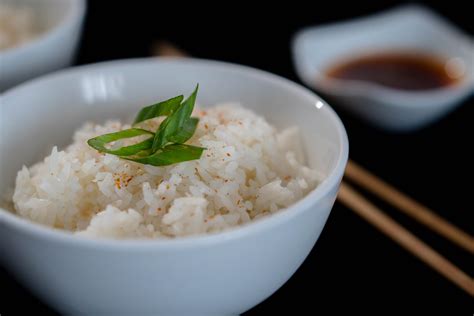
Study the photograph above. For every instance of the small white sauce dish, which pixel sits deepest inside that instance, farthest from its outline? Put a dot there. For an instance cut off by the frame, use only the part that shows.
(59, 23)
(409, 28)
(215, 274)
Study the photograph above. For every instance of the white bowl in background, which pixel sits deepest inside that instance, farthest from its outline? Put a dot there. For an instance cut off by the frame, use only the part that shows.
(216, 274)
(407, 28)
(53, 49)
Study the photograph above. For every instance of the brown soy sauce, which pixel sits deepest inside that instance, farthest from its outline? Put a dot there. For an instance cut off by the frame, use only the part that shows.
(401, 70)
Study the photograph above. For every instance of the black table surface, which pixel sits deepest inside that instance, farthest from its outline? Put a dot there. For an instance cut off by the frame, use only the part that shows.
(353, 267)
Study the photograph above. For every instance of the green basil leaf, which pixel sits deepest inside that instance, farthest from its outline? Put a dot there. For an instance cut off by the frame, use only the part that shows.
(169, 155)
(164, 108)
(175, 122)
(166, 146)
(99, 142)
(186, 132)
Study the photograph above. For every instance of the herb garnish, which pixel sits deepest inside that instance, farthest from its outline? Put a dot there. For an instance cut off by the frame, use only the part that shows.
(166, 145)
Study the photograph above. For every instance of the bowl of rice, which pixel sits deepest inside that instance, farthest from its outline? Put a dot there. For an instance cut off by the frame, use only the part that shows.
(37, 37)
(90, 232)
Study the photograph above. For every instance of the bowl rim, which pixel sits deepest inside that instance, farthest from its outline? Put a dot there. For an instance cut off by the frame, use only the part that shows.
(329, 183)
(74, 15)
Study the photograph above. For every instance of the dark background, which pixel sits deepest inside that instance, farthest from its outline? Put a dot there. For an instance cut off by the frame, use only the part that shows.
(353, 267)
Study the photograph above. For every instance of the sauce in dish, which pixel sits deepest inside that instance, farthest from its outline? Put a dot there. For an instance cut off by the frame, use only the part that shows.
(403, 70)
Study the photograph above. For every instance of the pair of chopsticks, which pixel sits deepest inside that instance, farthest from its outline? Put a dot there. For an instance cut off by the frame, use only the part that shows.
(372, 214)
(368, 211)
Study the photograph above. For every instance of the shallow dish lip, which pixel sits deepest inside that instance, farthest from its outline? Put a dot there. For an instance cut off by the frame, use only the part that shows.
(403, 98)
(74, 15)
(330, 182)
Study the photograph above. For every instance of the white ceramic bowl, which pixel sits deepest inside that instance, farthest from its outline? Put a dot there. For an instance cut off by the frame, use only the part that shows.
(218, 274)
(407, 28)
(53, 49)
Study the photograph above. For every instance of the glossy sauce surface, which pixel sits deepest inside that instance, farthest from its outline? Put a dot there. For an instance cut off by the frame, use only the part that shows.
(405, 71)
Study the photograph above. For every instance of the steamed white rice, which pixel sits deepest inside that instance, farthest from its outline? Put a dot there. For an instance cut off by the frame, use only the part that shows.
(17, 25)
(248, 171)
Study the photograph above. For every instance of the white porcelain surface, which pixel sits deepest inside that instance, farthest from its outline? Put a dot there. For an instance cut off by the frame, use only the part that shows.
(407, 28)
(220, 274)
(51, 50)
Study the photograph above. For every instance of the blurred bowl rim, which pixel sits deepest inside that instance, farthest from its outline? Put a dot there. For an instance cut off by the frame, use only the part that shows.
(74, 15)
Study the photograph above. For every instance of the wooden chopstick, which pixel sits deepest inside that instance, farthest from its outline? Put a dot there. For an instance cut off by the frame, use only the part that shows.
(164, 48)
(357, 203)
(408, 206)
